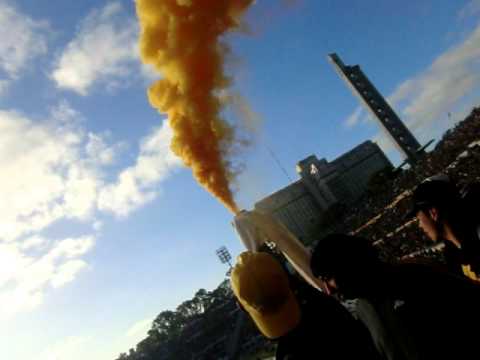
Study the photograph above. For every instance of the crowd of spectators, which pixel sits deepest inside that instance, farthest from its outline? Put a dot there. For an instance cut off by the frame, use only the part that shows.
(380, 216)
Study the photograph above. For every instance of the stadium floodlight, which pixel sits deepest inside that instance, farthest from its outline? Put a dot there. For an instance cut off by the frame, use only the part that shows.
(224, 256)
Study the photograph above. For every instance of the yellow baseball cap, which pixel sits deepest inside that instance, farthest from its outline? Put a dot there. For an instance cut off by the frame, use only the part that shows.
(262, 288)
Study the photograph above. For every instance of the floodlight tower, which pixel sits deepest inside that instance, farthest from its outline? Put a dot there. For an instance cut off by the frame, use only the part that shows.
(376, 104)
(225, 258)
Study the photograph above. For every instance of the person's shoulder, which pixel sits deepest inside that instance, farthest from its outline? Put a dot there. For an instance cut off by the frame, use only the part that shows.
(417, 280)
(420, 271)
(321, 304)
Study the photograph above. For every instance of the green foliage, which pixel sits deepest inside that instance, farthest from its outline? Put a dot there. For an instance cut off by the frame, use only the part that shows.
(167, 334)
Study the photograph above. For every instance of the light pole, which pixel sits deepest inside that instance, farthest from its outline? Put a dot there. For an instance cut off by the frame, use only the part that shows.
(225, 258)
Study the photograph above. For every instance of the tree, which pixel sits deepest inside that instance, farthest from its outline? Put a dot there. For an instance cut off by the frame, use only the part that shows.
(204, 299)
(132, 354)
(221, 293)
(190, 308)
(168, 336)
(147, 348)
(169, 323)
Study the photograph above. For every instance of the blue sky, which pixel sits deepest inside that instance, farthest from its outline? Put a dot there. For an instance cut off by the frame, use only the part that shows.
(101, 226)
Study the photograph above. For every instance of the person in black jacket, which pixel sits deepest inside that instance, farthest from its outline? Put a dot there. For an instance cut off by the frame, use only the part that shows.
(413, 310)
(444, 216)
(319, 328)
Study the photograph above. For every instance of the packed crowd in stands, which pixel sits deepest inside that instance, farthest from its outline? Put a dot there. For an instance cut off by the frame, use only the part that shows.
(381, 217)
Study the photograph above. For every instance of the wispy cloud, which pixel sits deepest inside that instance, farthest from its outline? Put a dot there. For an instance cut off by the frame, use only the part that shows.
(50, 176)
(69, 348)
(83, 347)
(450, 85)
(23, 39)
(445, 87)
(140, 328)
(56, 172)
(136, 185)
(472, 8)
(354, 118)
(104, 51)
(29, 277)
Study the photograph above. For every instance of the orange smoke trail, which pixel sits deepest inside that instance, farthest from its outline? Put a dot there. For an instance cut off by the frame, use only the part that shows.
(182, 40)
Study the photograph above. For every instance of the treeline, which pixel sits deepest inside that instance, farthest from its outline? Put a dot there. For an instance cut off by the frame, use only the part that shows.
(186, 330)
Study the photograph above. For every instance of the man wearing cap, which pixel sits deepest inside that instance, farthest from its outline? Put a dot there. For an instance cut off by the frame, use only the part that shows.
(320, 329)
(443, 217)
(411, 310)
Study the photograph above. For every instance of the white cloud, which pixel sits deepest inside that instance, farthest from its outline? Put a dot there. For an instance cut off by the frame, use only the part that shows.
(25, 278)
(140, 328)
(23, 39)
(97, 226)
(103, 51)
(66, 349)
(357, 117)
(3, 86)
(83, 347)
(470, 9)
(383, 140)
(33, 242)
(49, 176)
(136, 185)
(71, 247)
(445, 87)
(354, 118)
(97, 148)
(54, 170)
(450, 85)
(67, 272)
(11, 261)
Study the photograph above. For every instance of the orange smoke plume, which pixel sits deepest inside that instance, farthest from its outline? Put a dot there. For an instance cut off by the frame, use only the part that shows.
(182, 40)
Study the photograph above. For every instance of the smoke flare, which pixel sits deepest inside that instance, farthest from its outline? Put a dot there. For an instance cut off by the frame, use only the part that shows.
(182, 40)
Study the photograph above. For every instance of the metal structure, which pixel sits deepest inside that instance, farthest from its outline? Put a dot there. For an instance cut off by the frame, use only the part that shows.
(376, 104)
(224, 256)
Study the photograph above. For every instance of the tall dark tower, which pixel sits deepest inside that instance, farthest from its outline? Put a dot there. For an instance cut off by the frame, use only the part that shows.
(403, 139)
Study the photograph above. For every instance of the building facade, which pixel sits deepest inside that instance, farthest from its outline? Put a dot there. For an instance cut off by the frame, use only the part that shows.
(301, 205)
(295, 207)
(347, 176)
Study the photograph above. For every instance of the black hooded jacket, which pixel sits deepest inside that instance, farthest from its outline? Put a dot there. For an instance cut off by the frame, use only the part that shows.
(435, 313)
(326, 331)
(424, 312)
